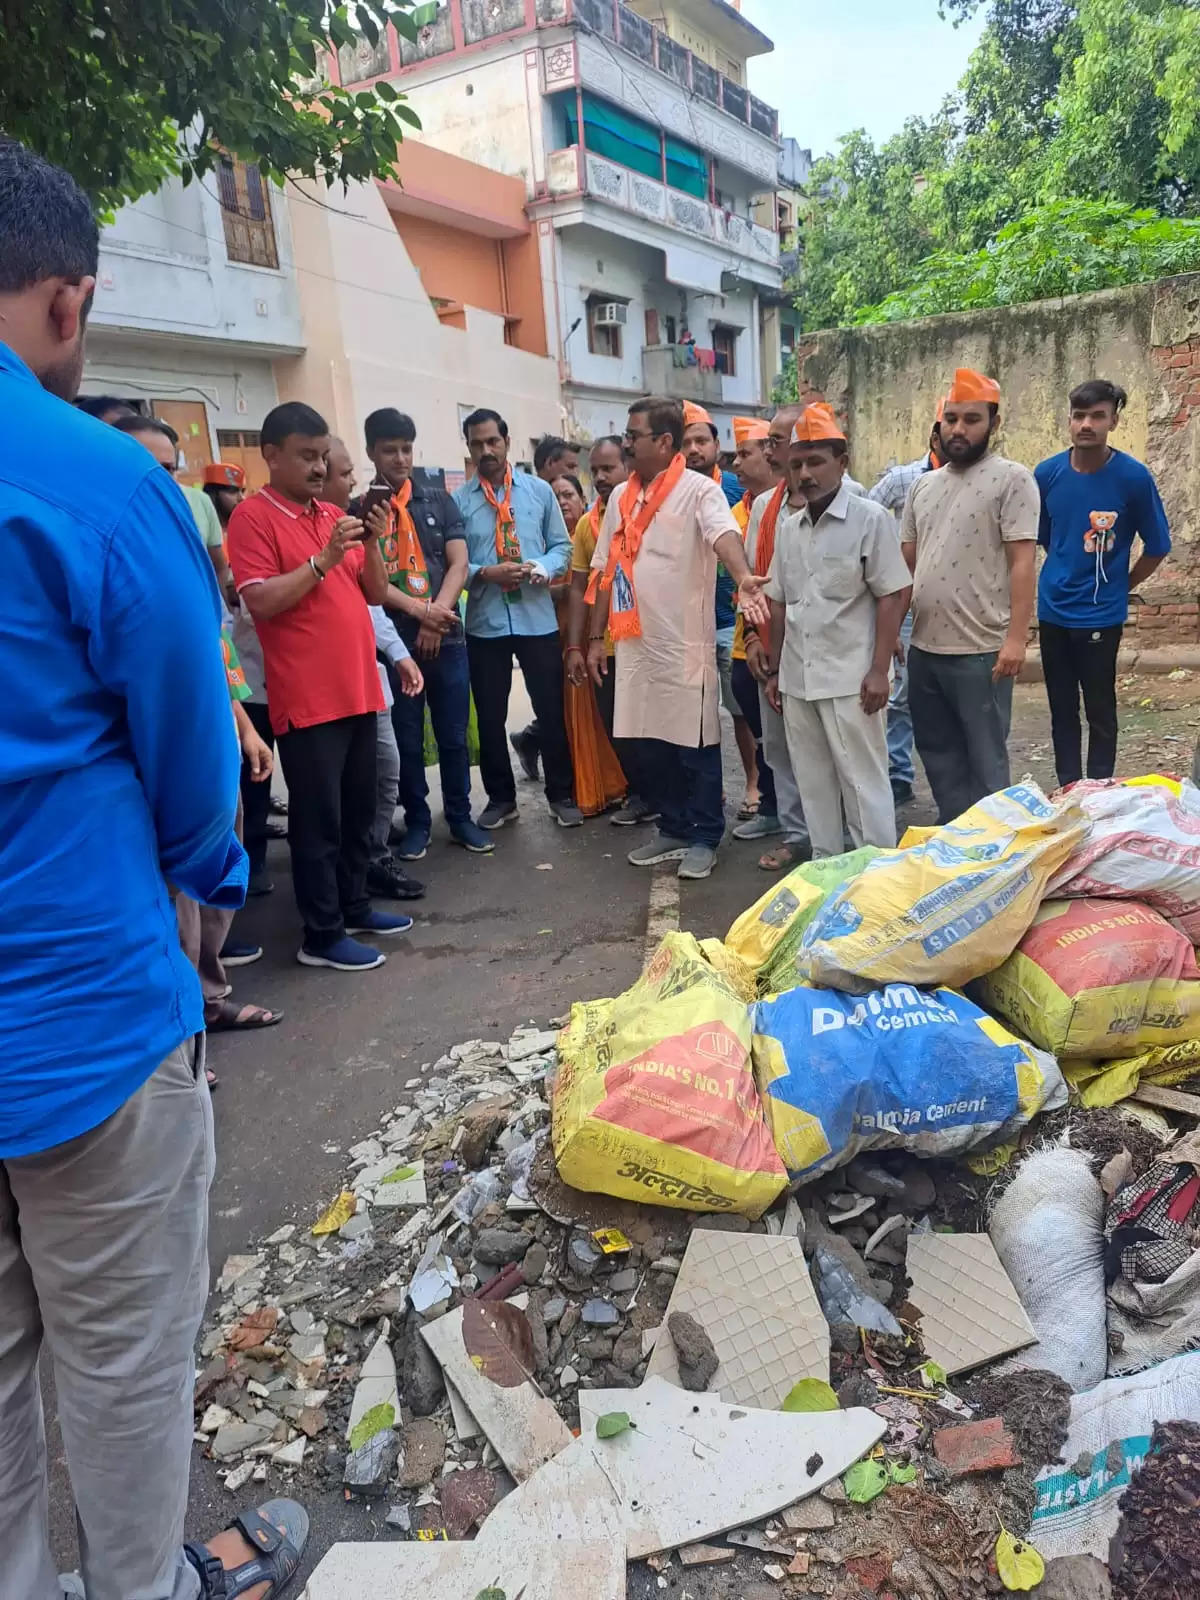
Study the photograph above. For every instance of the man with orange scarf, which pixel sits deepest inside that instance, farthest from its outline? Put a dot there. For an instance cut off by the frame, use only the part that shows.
(653, 582)
(517, 544)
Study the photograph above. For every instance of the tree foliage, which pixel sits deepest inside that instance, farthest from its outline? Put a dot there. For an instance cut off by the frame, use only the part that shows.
(1076, 127)
(125, 93)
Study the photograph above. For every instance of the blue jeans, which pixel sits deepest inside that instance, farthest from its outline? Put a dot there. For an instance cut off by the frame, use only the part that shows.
(448, 691)
(684, 786)
(899, 718)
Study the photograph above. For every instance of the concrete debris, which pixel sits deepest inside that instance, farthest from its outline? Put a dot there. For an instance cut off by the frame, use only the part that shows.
(694, 1350)
(422, 1452)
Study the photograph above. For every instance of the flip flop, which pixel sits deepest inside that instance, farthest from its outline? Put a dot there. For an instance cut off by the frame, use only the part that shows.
(232, 1018)
(784, 855)
(277, 1531)
(748, 809)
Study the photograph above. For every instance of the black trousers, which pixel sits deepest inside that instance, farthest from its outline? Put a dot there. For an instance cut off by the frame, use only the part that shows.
(330, 773)
(1075, 659)
(256, 797)
(540, 660)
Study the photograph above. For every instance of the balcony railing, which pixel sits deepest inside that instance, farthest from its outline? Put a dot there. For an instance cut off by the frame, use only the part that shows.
(663, 372)
(617, 22)
(572, 171)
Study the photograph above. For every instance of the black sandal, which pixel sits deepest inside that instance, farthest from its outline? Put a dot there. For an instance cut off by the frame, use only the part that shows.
(278, 1558)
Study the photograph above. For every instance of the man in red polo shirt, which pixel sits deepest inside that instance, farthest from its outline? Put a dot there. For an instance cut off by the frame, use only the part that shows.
(306, 576)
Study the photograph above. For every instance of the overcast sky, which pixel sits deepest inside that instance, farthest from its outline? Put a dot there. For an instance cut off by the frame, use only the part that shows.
(855, 64)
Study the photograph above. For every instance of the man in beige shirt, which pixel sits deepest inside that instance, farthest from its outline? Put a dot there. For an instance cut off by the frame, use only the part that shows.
(653, 582)
(838, 588)
(969, 533)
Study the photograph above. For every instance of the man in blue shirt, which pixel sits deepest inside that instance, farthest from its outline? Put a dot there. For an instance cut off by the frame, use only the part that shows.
(517, 543)
(1094, 500)
(118, 773)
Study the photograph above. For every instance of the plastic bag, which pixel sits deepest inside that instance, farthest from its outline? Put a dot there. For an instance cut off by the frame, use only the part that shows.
(899, 1068)
(1098, 978)
(767, 936)
(655, 1098)
(1143, 843)
(470, 1200)
(843, 1301)
(1048, 1230)
(949, 909)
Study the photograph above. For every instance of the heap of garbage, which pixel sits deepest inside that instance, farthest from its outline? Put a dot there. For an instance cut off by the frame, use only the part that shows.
(855, 1254)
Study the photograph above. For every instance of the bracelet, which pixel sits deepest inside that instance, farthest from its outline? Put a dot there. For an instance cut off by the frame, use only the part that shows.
(428, 608)
(577, 648)
(596, 638)
(317, 573)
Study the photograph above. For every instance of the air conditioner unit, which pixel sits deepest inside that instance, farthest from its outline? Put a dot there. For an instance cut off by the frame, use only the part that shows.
(612, 314)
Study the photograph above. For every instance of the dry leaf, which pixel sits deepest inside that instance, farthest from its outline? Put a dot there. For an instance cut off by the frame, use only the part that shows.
(499, 1341)
(337, 1215)
(254, 1329)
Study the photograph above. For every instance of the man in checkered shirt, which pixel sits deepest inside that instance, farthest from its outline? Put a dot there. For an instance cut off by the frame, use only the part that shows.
(891, 492)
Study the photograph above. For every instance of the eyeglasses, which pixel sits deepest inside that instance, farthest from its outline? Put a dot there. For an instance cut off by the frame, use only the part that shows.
(648, 434)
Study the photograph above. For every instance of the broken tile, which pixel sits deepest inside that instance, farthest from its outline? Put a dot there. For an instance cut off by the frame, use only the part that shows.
(465, 1426)
(752, 1295)
(234, 1438)
(402, 1185)
(970, 1312)
(813, 1515)
(376, 1384)
(705, 1555)
(447, 1571)
(290, 1455)
(985, 1446)
(236, 1267)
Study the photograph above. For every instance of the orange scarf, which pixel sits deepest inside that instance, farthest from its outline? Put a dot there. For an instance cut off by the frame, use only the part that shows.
(403, 557)
(624, 619)
(765, 548)
(508, 546)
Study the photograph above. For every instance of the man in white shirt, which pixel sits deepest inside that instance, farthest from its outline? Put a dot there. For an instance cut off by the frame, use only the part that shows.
(838, 588)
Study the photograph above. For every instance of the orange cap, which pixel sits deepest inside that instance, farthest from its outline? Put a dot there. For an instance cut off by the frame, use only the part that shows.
(747, 428)
(941, 409)
(970, 385)
(693, 413)
(816, 424)
(224, 475)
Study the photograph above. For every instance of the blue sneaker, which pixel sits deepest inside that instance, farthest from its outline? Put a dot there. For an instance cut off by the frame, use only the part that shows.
(382, 924)
(412, 844)
(472, 837)
(346, 955)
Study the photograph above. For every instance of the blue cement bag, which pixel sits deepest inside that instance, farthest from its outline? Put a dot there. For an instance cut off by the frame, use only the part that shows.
(897, 1068)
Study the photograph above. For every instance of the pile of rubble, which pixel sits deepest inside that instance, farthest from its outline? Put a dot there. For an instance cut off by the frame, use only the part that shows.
(433, 1341)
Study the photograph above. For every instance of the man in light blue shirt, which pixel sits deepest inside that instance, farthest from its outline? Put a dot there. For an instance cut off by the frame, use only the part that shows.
(517, 544)
(118, 774)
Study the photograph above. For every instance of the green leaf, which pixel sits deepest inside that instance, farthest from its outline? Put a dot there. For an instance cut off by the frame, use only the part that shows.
(811, 1394)
(376, 1420)
(401, 1175)
(901, 1472)
(865, 1481)
(612, 1423)
(934, 1376)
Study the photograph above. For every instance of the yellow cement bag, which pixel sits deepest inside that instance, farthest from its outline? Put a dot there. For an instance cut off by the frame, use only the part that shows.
(949, 909)
(1103, 1083)
(655, 1098)
(767, 936)
(1098, 978)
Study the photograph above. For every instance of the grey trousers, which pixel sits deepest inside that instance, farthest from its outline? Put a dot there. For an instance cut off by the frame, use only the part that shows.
(104, 1259)
(387, 788)
(778, 758)
(960, 721)
(203, 931)
(840, 759)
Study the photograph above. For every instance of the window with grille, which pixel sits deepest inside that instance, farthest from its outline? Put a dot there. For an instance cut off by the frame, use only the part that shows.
(725, 346)
(246, 213)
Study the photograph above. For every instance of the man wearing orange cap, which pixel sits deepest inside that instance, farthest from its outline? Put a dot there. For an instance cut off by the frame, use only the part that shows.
(969, 533)
(701, 449)
(838, 588)
(653, 578)
(891, 492)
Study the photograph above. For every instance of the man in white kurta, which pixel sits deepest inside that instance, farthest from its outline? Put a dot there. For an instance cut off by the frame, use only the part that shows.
(667, 689)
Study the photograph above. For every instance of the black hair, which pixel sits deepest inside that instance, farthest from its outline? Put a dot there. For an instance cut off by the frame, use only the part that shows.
(293, 417)
(95, 405)
(484, 415)
(549, 447)
(47, 225)
(135, 422)
(1098, 392)
(662, 416)
(574, 482)
(836, 447)
(389, 424)
(608, 438)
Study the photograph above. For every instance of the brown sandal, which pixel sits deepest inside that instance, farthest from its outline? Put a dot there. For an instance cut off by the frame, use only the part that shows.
(782, 857)
(232, 1018)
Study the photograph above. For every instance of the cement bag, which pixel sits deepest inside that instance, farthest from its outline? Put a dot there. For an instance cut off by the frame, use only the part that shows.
(655, 1098)
(898, 1068)
(1048, 1230)
(1098, 978)
(1103, 1083)
(949, 909)
(768, 935)
(1143, 843)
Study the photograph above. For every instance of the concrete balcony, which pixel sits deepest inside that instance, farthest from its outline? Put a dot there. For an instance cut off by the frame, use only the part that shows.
(663, 376)
(735, 244)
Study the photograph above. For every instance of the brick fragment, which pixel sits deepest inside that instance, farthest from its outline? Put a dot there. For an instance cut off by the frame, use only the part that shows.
(985, 1446)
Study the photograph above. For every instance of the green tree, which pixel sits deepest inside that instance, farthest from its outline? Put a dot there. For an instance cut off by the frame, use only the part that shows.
(125, 93)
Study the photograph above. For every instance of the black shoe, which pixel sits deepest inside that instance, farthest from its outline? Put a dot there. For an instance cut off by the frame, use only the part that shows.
(276, 830)
(497, 813)
(259, 883)
(527, 750)
(902, 792)
(392, 883)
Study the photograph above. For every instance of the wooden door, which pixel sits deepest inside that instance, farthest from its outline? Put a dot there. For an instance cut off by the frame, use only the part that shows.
(240, 448)
(189, 418)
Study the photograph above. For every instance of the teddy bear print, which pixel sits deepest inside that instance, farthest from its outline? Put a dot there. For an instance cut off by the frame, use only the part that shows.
(1100, 535)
